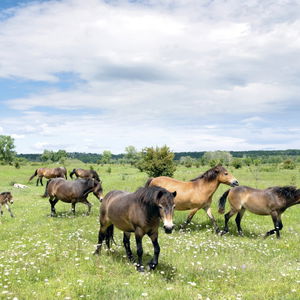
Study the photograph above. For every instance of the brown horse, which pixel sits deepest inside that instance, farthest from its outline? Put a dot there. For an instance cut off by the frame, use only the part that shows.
(196, 193)
(72, 192)
(137, 212)
(85, 174)
(271, 201)
(49, 173)
(6, 199)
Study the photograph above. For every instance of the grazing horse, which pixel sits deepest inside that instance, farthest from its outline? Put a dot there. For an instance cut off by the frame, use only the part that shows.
(49, 173)
(85, 174)
(271, 201)
(6, 199)
(196, 193)
(138, 212)
(72, 192)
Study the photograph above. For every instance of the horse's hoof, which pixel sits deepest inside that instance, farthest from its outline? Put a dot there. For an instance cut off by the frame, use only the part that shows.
(240, 233)
(151, 266)
(140, 268)
(223, 232)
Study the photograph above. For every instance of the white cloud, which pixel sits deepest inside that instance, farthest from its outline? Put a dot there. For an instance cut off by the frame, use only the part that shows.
(173, 72)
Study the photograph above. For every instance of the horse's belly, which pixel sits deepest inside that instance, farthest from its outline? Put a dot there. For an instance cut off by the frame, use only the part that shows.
(257, 209)
(187, 204)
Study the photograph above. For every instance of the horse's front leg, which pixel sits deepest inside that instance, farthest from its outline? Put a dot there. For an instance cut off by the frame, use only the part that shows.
(139, 249)
(154, 261)
(126, 242)
(189, 218)
(1, 211)
(73, 207)
(89, 205)
(277, 224)
(212, 219)
(8, 208)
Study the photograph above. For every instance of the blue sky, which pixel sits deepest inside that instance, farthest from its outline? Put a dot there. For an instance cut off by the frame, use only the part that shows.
(99, 75)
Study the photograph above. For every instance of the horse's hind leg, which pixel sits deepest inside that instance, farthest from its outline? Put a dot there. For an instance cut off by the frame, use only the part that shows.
(154, 261)
(227, 217)
(238, 220)
(52, 203)
(126, 242)
(189, 218)
(101, 237)
(1, 211)
(212, 219)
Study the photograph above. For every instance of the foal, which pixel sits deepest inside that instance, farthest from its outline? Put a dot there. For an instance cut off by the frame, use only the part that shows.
(6, 199)
(138, 212)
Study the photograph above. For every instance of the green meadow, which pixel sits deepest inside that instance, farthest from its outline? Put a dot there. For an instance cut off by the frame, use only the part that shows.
(52, 258)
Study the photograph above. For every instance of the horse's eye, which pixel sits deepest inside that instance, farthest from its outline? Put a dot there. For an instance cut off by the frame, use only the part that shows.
(160, 206)
(225, 173)
(174, 206)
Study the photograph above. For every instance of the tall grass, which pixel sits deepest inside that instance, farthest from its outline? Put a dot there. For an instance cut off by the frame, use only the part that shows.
(51, 258)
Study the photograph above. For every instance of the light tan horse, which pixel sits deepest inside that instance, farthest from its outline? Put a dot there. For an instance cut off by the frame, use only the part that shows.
(197, 193)
(272, 201)
(49, 173)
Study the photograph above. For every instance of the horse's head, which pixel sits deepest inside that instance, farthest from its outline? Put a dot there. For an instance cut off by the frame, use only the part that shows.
(165, 202)
(7, 197)
(225, 177)
(98, 190)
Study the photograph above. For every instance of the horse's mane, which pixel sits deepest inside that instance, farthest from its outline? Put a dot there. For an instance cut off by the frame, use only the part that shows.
(145, 195)
(290, 193)
(210, 174)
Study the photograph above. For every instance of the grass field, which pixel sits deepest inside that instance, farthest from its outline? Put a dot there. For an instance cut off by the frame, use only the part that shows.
(51, 258)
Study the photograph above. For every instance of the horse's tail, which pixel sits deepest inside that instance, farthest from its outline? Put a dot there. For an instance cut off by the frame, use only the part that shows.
(222, 202)
(46, 190)
(72, 173)
(35, 173)
(147, 184)
(109, 235)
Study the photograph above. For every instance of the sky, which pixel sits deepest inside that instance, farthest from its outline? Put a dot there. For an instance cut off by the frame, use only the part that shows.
(195, 75)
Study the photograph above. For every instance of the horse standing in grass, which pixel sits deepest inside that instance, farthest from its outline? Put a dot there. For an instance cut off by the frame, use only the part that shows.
(72, 192)
(138, 212)
(6, 199)
(84, 174)
(49, 173)
(196, 193)
(272, 201)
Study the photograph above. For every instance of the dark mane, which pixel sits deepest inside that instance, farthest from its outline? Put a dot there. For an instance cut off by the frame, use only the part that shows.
(290, 193)
(145, 195)
(210, 174)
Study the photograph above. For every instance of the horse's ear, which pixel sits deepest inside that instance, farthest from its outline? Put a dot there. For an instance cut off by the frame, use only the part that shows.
(160, 194)
(174, 194)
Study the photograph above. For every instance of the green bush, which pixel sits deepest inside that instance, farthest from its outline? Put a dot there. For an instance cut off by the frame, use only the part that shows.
(157, 162)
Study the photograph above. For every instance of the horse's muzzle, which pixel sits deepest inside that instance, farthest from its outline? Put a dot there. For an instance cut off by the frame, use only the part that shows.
(168, 229)
(234, 183)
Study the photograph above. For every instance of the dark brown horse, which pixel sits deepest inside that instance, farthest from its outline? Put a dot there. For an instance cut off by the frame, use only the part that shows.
(6, 199)
(138, 212)
(84, 174)
(272, 201)
(196, 193)
(49, 173)
(72, 192)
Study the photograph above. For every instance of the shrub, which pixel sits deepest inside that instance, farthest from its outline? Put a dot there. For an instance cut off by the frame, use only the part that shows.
(157, 162)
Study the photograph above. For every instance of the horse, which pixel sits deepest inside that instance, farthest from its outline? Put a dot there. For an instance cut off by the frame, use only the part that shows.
(139, 212)
(272, 201)
(49, 173)
(6, 199)
(196, 193)
(72, 192)
(85, 174)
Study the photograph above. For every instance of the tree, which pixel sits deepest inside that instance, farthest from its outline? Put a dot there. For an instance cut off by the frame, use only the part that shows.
(7, 153)
(217, 157)
(157, 162)
(106, 157)
(131, 155)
